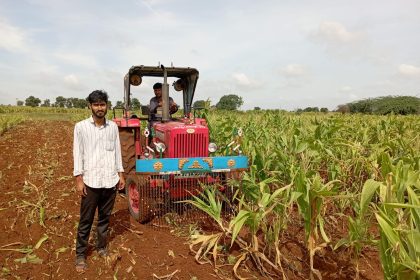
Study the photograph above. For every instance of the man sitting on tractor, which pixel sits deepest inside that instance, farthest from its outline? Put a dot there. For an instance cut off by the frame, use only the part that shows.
(156, 103)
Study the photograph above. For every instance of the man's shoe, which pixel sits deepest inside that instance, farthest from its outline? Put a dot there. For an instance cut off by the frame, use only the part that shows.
(103, 252)
(81, 264)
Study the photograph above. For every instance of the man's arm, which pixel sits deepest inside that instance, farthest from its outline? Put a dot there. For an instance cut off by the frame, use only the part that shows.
(173, 107)
(80, 185)
(118, 161)
(153, 105)
(78, 161)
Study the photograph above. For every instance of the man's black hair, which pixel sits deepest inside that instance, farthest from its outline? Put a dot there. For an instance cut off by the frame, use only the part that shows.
(97, 96)
(157, 85)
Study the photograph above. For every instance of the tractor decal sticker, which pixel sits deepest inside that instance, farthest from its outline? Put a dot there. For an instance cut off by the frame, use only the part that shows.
(209, 161)
(214, 164)
(182, 162)
(195, 165)
(158, 166)
(231, 163)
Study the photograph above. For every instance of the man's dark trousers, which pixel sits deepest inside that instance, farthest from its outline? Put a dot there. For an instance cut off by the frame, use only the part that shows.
(100, 198)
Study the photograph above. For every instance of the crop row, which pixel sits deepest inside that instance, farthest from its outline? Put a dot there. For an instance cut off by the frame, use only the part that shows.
(363, 168)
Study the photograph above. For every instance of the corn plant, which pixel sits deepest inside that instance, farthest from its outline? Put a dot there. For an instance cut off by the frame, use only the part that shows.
(7, 122)
(260, 210)
(358, 227)
(398, 216)
(310, 195)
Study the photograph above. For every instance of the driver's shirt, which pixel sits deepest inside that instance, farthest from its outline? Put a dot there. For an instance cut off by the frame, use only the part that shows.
(154, 104)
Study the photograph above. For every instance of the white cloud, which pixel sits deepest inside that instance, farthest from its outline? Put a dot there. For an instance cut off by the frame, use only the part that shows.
(12, 38)
(335, 32)
(346, 89)
(71, 80)
(294, 70)
(408, 70)
(243, 81)
(76, 59)
(353, 97)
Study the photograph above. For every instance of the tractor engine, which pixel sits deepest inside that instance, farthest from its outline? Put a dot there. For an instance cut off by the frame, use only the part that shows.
(182, 140)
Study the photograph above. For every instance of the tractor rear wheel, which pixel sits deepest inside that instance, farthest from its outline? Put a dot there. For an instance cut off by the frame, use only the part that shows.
(140, 204)
(128, 150)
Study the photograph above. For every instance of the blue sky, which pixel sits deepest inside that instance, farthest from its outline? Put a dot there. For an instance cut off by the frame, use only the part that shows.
(275, 54)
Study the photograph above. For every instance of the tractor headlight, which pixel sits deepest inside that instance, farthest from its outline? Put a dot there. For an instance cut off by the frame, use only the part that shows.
(160, 147)
(212, 147)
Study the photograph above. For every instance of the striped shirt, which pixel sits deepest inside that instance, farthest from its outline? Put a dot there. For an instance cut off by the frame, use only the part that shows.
(97, 153)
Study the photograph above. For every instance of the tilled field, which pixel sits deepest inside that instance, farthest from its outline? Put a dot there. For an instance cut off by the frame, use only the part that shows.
(38, 202)
(39, 211)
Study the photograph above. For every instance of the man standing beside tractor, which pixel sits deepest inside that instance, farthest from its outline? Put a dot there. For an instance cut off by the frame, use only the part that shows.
(98, 171)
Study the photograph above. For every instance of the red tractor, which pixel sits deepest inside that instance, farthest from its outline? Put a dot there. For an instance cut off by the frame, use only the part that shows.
(169, 159)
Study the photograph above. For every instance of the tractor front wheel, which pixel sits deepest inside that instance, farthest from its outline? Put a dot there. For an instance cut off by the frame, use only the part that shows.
(139, 203)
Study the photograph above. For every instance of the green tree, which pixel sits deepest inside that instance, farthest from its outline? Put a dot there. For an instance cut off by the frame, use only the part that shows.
(199, 104)
(79, 103)
(324, 110)
(32, 101)
(47, 103)
(119, 104)
(383, 105)
(257, 108)
(20, 103)
(230, 102)
(311, 109)
(135, 104)
(69, 102)
(60, 101)
(343, 109)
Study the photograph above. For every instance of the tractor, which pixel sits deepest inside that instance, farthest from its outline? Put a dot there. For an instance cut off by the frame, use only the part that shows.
(169, 159)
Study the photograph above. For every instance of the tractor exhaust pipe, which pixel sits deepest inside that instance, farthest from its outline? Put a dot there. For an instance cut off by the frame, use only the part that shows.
(165, 96)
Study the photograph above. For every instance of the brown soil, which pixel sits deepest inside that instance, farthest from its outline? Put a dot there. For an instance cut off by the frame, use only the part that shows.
(36, 172)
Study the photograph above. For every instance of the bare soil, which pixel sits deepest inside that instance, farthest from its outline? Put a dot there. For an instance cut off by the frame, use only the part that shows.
(36, 175)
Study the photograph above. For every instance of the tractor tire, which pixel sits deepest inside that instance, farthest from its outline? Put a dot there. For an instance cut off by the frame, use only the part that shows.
(141, 205)
(128, 150)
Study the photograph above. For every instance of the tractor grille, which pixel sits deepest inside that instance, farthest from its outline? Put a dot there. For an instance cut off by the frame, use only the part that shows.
(164, 196)
(190, 145)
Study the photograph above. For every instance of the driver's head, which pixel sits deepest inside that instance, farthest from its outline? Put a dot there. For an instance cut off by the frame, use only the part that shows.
(157, 88)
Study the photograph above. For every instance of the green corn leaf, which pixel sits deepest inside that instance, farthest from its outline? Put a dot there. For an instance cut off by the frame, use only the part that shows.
(388, 230)
(237, 223)
(301, 147)
(369, 189)
(341, 242)
(402, 205)
(415, 213)
(321, 229)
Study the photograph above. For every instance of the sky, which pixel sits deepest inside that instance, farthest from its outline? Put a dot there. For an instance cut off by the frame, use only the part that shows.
(275, 54)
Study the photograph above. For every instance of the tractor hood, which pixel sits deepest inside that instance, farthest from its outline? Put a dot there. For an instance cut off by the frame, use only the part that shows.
(187, 80)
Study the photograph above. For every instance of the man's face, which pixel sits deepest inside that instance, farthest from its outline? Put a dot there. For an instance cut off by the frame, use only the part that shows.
(99, 109)
(158, 92)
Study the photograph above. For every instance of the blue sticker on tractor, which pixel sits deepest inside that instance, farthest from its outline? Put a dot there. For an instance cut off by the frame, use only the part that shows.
(196, 164)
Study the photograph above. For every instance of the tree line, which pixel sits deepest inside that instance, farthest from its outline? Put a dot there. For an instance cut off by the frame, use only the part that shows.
(383, 105)
(227, 102)
(402, 105)
(71, 102)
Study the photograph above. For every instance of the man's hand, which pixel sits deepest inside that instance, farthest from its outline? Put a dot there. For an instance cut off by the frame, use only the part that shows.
(121, 183)
(80, 186)
(173, 108)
